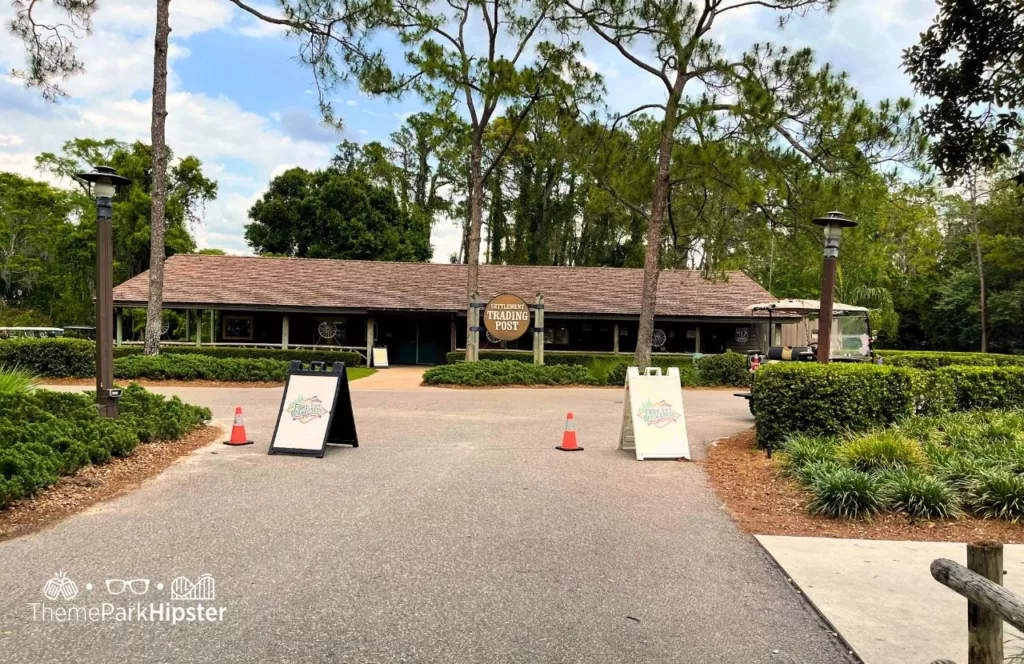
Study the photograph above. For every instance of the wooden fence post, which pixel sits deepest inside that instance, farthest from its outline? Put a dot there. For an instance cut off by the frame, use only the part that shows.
(985, 627)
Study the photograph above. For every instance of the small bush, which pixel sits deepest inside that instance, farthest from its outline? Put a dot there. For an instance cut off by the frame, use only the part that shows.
(15, 380)
(811, 473)
(801, 450)
(921, 496)
(44, 435)
(998, 494)
(728, 370)
(881, 450)
(507, 372)
(687, 373)
(844, 493)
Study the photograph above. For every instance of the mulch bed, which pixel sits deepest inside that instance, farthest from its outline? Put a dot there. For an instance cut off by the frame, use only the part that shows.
(764, 501)
(147, 382)
(93, 484)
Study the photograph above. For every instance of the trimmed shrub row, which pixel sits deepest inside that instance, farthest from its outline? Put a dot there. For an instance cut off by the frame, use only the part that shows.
(507, 372)
(837, 398)
(350, 358)
(727, 369)
(57, 358)
(44, 435)
(180, 366)
(936, 359)
(76, 358)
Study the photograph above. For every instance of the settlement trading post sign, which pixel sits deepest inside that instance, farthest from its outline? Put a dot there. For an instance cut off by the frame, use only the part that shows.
(507, 317)
(316, 410)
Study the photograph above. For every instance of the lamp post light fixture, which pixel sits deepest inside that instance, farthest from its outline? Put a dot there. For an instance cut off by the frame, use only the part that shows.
(105, 181)
(833, 223)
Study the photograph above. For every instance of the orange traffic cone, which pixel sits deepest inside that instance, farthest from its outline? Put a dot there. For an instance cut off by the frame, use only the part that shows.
(569, 437)
(238, 436)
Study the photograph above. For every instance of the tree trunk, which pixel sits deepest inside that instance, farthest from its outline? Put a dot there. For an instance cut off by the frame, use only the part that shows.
(659, 204)
(158, 192)
(476, 199)
(981, 269)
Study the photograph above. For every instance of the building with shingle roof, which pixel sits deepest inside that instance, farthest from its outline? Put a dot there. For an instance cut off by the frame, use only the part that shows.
(418, 310)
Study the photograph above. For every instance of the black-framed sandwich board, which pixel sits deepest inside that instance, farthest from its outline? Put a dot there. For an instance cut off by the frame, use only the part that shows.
(316, 411)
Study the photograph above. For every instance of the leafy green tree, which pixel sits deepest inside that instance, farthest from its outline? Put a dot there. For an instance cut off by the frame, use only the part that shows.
(477, 55)
(335, 214)
(188, 191)
(33, 217)
(773, 96)
(971, 61)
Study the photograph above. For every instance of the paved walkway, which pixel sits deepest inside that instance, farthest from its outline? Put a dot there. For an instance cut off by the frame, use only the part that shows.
(394, 378)
(882, 598)
(455, 533)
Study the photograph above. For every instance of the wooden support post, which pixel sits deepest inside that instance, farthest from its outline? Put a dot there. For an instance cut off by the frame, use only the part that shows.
(540, 324)
(213, 333)
(284, 332)
(615, 341)
(538, 330)
(120, 326)
(696, 340)
(370, 334)
(984, 626)
(199, 327)
(455, 332)
(188, 327)
(473, 335)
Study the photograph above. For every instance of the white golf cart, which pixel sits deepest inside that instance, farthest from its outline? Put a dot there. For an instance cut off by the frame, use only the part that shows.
(850, 340)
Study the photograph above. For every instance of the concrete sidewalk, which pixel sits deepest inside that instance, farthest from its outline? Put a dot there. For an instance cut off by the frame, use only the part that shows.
(881, 596)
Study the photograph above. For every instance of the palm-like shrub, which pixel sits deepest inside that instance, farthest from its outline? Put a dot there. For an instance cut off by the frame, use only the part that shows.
(921, 496)
(800, 450)
(845, 493)
(998, 494)
(881, 450)
(15, 380)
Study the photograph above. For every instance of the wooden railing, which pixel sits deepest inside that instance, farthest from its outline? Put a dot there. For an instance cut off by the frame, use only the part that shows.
(989, 604)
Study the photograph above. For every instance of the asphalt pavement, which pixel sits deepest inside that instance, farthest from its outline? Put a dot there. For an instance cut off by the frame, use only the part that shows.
(454, 533)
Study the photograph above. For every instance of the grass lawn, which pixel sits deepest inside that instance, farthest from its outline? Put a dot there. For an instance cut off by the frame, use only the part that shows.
(355, 373)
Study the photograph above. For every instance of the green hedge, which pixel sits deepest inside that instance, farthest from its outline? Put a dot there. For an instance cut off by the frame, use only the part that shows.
(350, 358)
(936, 359)
(825, 400)
(581, 358)
(76, 358)
(65, 358)
(727, 369)
(44, 435)
(180, 366)
(507, 372)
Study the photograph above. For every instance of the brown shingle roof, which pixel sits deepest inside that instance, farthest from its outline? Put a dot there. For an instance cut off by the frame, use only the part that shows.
(304, 283)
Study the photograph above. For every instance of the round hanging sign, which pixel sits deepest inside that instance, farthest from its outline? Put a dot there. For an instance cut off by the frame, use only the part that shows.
(507, 317)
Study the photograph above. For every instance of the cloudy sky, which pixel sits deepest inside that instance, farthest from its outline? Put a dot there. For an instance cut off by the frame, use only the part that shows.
(240, 102)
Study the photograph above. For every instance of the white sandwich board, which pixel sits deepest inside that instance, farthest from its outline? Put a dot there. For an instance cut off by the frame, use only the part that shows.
(653, 423)
(316, 410)
(380, 357)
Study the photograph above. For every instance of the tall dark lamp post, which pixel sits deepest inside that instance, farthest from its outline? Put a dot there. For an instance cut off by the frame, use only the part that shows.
(833, 223)
(105, 181)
